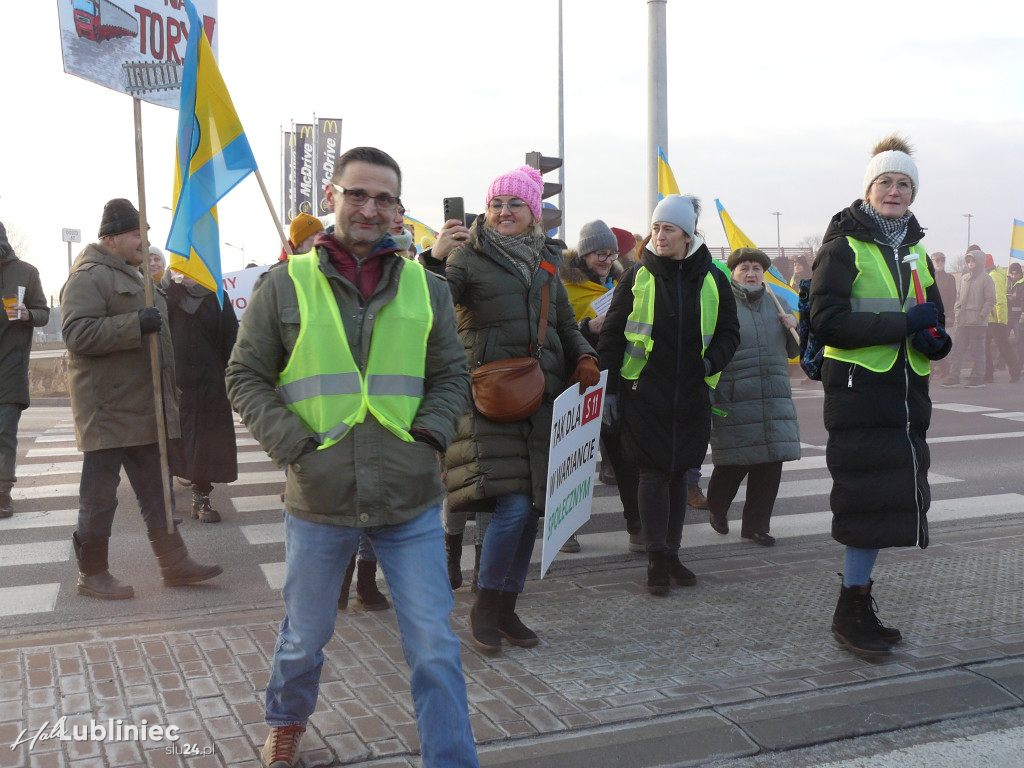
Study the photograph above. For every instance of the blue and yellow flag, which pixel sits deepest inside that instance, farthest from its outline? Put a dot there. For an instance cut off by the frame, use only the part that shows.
(422, 236)
(786, 295)
(1017, 240)
(666, 181)
(212, 156)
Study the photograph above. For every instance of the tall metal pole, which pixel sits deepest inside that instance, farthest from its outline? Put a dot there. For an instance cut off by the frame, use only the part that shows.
(968, 216)
(657, 95)
(561, 128)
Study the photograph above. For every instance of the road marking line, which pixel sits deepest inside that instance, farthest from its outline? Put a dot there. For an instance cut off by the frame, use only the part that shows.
(33, 553)
(56, 518)
(32, 598)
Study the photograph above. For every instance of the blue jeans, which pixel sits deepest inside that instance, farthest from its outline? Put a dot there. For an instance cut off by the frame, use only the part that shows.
(413, 560)
(508, 544)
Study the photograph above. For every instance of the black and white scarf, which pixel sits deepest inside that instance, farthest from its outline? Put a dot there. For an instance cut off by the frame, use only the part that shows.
(522, 251)
(893, 230)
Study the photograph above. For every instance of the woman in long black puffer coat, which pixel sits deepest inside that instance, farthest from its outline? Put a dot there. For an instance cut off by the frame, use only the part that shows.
(661, 366)
(879, 341)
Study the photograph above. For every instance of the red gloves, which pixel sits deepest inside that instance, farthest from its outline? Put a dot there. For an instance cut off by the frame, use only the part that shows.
(586, 374)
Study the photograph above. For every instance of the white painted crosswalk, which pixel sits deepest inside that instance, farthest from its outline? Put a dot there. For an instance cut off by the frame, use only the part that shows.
(40, 536)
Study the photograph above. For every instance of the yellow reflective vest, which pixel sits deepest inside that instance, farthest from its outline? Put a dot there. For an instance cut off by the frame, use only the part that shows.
(322, 383)
(874, 290)
(640, 324)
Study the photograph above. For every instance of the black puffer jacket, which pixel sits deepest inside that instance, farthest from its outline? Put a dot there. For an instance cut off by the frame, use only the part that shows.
(665, 414)
(876, 422)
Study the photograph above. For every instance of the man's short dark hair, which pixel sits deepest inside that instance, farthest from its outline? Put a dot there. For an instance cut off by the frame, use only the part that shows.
(370, 155)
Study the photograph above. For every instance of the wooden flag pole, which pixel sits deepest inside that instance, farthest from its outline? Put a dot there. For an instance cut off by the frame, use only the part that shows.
(781, 309)
(273, 213)
(154, 338)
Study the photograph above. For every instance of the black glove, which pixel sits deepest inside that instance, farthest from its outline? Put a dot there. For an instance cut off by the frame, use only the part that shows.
(149, 320)
(922, 316)
(927, 344)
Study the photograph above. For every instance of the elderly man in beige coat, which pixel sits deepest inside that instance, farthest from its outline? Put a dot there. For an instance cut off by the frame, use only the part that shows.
(105, 323)
(974, 301)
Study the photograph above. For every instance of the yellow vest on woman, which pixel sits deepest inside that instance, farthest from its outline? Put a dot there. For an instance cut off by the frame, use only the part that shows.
(874, 290)
(322, 383)
(640, 324)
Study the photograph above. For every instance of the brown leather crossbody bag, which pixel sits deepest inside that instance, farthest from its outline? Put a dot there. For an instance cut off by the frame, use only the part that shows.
(513, 389)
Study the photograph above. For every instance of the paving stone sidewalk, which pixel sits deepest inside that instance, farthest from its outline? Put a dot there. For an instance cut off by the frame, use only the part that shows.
(739, 664)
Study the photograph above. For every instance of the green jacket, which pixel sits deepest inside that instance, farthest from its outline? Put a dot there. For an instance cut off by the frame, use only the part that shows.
(111, 378)
(370, 477)
(498, 316)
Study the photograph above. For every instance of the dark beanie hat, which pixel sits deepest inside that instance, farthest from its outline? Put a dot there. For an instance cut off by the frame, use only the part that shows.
(119, 215)
(748, 254)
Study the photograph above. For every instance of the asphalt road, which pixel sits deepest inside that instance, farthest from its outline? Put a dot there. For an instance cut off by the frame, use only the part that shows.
(976, 441)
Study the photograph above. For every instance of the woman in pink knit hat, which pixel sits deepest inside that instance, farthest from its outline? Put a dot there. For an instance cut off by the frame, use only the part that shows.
(496, 270)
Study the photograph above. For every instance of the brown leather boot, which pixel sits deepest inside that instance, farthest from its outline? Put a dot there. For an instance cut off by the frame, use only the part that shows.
(94, 579)
(367, 594)
(176, 567)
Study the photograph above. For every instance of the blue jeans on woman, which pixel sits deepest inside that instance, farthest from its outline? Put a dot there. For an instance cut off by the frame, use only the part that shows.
(413, 560)
(508, 544)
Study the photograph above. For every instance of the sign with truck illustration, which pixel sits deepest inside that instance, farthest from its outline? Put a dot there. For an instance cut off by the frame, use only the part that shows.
(101, 20)
(132, 46)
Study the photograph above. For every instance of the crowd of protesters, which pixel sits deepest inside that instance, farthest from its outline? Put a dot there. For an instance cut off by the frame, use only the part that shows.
(387, 454)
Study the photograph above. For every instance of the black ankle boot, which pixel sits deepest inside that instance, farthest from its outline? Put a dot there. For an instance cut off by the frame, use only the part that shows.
(366, 587)
(680, 575)
(891, 635)
(657, 573)
(453, 552)
(854, 623)
(483, 621)
(510, 626)
(346, 585)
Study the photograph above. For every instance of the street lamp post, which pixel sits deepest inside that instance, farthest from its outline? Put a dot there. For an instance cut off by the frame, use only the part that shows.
(778, 233)
(968, 216)
(241, 248)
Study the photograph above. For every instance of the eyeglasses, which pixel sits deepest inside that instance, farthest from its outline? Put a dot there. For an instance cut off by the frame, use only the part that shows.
(605, 255)
(514, 206)
(359, 198)
(903, 186)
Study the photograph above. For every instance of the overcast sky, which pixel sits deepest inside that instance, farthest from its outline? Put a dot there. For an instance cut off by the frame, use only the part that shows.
(772, 107)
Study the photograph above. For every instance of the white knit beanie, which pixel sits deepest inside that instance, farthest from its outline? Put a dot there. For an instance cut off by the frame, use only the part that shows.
(891, 155)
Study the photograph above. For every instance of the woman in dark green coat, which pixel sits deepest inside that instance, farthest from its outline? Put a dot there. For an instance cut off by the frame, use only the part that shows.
(496, 275)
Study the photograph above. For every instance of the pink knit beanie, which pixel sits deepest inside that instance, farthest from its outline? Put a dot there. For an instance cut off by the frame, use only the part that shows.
(524, 182)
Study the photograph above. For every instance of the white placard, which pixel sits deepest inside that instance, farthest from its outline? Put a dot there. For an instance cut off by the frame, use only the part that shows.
(71, 235)
(601, 303)
(239, 287)
(132, 46)
(572, 465)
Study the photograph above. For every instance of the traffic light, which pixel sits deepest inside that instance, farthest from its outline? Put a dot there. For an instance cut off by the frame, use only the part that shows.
(551, 218)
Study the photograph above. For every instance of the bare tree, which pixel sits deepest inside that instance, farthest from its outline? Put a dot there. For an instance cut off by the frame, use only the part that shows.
(812, 243)
(19, 241)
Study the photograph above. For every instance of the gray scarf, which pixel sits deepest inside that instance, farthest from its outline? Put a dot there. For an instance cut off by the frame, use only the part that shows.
(522, 251)
(893, 230)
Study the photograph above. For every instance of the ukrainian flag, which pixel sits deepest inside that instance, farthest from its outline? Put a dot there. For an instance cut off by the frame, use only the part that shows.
(666, 181)
(1017, 240)
(212, 156)
(786, 295)
(422, 235)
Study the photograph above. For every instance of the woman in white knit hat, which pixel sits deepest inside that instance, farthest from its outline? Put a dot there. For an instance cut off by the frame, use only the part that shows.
(879, 341)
